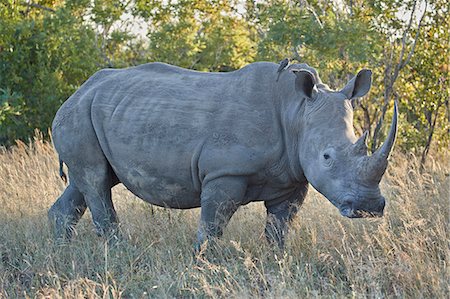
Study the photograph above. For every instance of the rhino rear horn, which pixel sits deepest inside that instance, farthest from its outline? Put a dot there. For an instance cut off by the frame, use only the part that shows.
(360, 145)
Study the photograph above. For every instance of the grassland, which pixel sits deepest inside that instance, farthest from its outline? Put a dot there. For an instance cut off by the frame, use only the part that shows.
(404, 254)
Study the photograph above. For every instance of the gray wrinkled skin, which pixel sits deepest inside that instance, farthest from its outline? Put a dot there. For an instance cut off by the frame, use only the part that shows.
(184, 139)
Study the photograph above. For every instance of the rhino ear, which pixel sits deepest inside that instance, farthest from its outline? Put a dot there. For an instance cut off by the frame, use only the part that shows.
(304, 82)
(359, 85)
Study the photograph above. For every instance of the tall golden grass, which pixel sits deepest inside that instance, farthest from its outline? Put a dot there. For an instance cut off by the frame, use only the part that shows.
(404, 254)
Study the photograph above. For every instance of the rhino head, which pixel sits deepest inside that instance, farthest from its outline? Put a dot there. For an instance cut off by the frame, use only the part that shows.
(333, 160)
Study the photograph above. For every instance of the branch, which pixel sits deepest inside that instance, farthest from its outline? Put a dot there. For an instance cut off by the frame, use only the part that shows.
(430, 136)
(402, 53)
(39, 6)
(312, 10)
(415, 38)
(367, 118)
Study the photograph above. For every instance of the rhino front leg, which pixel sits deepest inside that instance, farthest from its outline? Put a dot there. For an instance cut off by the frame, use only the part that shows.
(66, 212)
(220, 198)
(279, 215)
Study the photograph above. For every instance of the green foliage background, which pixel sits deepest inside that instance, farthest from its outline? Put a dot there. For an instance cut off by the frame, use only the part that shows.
(48, 48)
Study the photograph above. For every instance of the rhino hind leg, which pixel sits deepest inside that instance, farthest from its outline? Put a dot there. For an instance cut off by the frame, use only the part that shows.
(95, 184)
(66, 212)
(91, 179)
(90, 173)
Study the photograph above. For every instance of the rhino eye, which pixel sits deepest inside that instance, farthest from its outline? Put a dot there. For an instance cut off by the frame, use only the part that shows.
(326, 156)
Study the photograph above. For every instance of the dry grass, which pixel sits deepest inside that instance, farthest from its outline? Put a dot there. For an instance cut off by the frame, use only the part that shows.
(404, 254)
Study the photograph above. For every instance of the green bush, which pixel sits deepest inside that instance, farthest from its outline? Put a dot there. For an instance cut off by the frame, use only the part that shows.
(49, 48)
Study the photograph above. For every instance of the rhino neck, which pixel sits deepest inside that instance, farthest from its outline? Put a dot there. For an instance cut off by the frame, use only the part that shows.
(290, 109)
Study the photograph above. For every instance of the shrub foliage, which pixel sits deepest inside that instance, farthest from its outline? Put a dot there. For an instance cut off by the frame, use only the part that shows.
(49, 47)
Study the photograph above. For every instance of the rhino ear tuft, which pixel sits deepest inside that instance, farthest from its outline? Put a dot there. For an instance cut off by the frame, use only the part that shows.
(359, 85)
(305, 82)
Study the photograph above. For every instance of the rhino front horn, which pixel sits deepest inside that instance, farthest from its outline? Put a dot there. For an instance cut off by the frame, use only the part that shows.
(387, 146)
(360, 146)
(378, 161)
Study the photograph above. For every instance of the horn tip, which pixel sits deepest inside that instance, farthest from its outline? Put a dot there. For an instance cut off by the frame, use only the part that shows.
(395, 113)
(396, 106)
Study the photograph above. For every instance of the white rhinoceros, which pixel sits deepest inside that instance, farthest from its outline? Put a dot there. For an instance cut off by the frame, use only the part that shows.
(184, 139)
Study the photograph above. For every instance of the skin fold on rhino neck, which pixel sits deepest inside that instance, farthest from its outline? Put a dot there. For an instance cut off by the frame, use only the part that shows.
(290, 112)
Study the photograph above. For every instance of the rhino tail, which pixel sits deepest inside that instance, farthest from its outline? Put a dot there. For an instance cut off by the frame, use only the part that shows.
(62, 174)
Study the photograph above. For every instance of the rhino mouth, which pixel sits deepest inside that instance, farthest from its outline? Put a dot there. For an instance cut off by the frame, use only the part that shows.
(370, 207)
(351, 213)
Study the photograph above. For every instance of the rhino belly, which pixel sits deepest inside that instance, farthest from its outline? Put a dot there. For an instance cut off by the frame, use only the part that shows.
(155, 169)
(160, 186)
(162, 191)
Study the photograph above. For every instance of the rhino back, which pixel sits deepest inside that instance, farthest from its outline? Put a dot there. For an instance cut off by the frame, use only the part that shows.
(155, 123)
